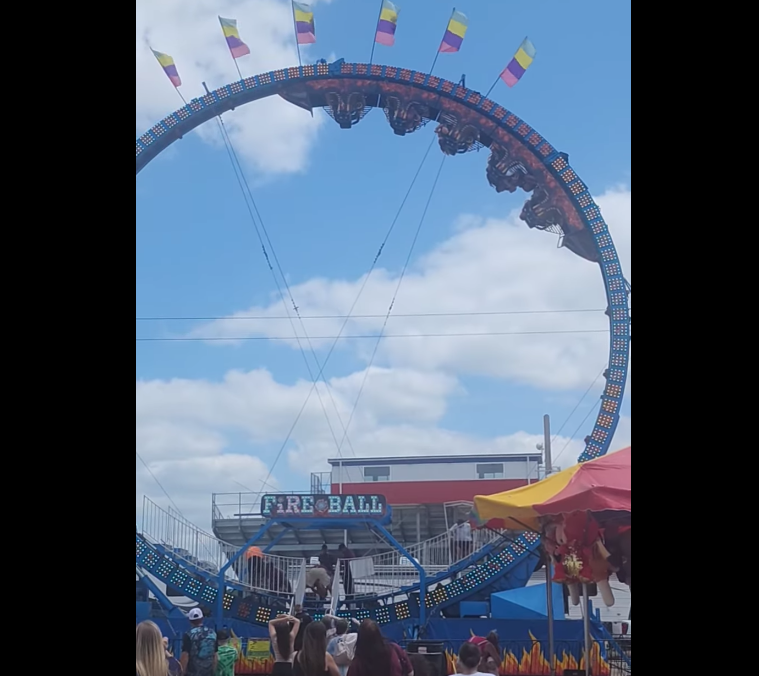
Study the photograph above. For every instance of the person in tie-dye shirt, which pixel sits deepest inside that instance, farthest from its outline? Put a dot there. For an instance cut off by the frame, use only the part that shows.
(227, 655)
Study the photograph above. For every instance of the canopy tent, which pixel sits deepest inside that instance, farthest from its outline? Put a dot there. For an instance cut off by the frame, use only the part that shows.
(600, 485)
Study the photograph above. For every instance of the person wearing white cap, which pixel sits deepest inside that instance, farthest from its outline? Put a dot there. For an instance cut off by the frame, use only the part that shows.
(200, 647)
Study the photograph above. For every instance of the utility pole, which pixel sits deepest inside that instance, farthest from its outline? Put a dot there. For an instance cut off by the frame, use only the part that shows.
(550, 611)
(547, 444)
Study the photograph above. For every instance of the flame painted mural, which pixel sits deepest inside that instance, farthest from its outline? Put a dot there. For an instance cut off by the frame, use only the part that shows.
(520, 658)
(531, 658)
(255, 656)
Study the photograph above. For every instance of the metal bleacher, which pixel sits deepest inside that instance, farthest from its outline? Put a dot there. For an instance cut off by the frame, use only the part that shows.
(236, 517)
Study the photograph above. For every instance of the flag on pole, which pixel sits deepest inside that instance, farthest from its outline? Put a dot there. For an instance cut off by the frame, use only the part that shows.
(236, 46)
(454, 34)
(519, 64)
(388, 24)
(169, 67)
(304, 23)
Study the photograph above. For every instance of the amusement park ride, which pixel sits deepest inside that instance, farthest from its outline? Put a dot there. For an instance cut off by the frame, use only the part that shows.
(426, 590)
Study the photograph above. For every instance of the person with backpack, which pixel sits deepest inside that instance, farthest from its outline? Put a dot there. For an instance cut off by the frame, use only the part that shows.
(342, 647)
(200, 647)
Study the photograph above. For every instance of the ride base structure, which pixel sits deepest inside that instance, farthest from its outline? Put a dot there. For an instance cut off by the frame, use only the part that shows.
(437, 590)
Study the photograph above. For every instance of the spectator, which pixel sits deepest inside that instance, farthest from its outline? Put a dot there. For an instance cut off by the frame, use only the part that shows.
(313, 659)
(469, 660)
(153, 658)
(283, 633)
(377, 657)
(421, 665)
(200, 648)
(227, 655)
(329, 625)
(490, 651)
(305, 619)
(342, 647)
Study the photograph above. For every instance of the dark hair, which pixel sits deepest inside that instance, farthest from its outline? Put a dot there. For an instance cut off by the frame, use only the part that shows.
(282, 630)
(421, 666)
(313, 656)
(305, 621)
(222, 635)
(325, 547)
(492, 638)
(470, 655)
(372, 652)
(342, 627)
(342, 546)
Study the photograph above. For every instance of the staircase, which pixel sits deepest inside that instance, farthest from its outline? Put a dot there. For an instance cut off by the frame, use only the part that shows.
(387, 585)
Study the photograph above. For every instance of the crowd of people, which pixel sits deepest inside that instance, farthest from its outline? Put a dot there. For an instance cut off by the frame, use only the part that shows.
(304, 647)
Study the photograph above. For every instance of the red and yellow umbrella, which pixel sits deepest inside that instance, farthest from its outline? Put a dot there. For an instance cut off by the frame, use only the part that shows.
(600, 485)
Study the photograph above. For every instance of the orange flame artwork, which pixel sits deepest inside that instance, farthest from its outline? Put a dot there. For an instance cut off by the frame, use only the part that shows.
(535, 663)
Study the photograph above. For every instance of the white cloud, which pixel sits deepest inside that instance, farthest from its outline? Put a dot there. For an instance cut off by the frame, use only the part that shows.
(204, 436)
(271, 134)
(185, 430)
(190, 481)
(487, 265)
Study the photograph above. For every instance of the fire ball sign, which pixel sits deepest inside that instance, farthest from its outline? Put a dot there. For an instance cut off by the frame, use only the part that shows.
(324, 506)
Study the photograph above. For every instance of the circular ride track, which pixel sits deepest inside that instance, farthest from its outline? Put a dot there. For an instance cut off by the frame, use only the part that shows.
(520, 159)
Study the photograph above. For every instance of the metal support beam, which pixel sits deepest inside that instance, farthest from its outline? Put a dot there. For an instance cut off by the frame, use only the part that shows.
(416, 564)
(276, 539)
(222, 573)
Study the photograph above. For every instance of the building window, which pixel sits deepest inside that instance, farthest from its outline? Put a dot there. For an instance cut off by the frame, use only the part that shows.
(490, 471)
(376, 474)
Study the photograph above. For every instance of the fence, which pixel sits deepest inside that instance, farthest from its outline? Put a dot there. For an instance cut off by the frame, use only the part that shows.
(206, 554)
(392, 571)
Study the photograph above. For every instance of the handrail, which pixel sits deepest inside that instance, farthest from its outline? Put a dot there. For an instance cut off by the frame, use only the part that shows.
(391, 572)
(197, 550)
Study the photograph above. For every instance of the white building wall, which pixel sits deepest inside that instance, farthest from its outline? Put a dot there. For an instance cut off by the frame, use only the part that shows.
(443, 471)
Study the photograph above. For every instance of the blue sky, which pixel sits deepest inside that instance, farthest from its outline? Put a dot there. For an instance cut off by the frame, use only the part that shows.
(327, 196)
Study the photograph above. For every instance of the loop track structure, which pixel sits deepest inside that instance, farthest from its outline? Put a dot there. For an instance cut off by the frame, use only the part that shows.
(520, 159)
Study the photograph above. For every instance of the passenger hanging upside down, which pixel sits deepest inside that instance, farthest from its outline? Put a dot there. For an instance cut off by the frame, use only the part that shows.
(317, 580)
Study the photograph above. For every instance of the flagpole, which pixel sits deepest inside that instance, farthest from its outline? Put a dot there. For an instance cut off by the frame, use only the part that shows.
(497, 80)
(237, 65)
(374, 41)
(437, 56)
(295, 29)
(176, 89)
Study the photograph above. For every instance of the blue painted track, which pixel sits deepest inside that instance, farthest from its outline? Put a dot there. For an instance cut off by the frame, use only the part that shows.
(484, 568)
